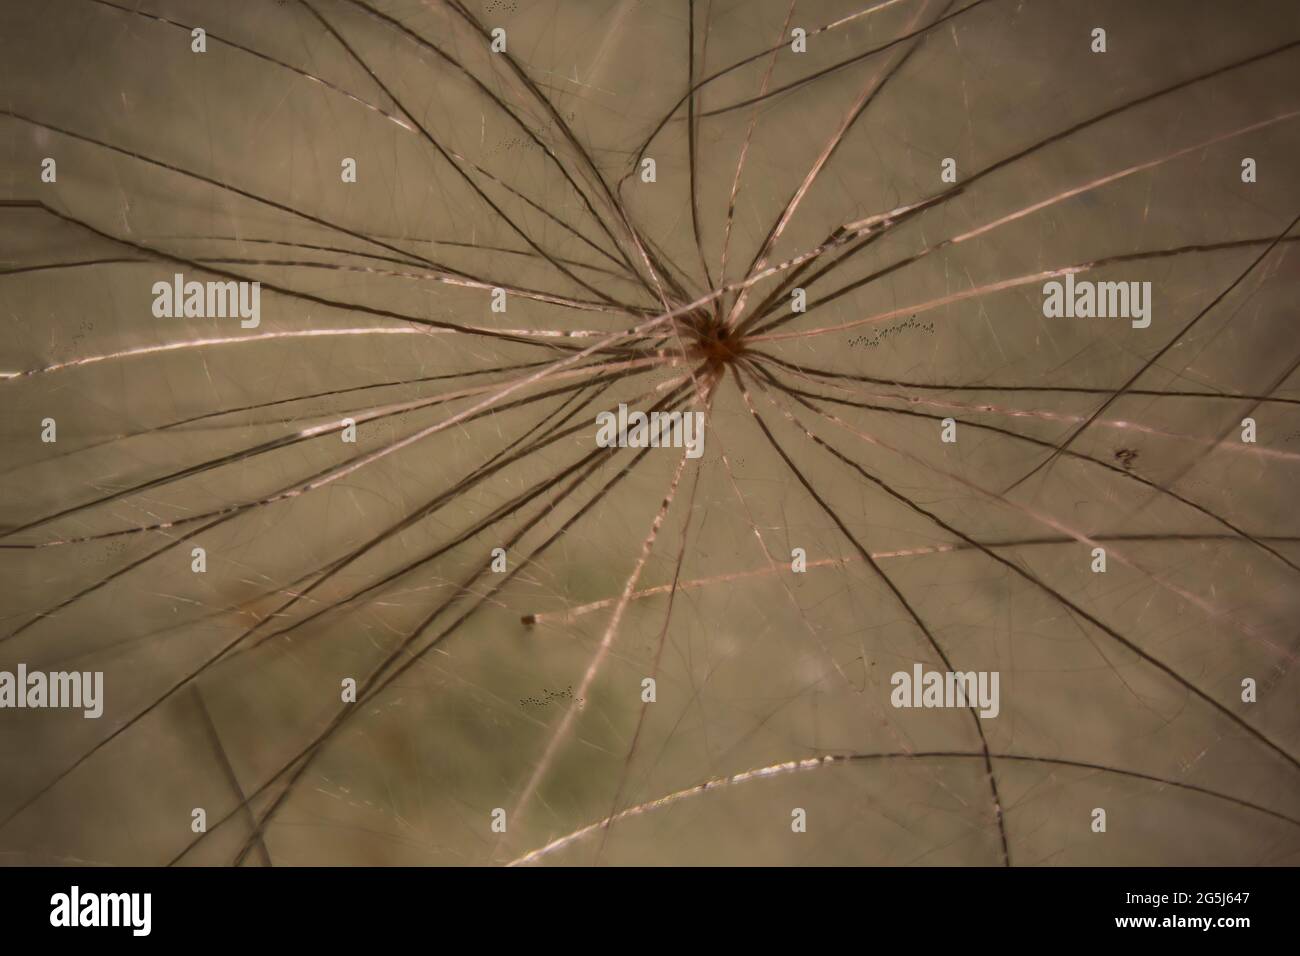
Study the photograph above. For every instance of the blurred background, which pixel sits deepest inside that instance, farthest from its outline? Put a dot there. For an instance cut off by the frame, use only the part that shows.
(1119, 691)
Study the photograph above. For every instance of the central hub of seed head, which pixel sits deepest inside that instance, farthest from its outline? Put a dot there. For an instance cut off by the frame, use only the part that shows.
(717, 342)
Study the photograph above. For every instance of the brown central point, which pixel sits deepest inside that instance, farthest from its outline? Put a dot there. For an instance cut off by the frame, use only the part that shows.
(719, 345)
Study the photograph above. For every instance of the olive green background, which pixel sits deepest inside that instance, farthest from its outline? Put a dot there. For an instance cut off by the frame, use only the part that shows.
(755, 670)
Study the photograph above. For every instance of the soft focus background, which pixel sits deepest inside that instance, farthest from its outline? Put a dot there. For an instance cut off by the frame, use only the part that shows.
(232, 157)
